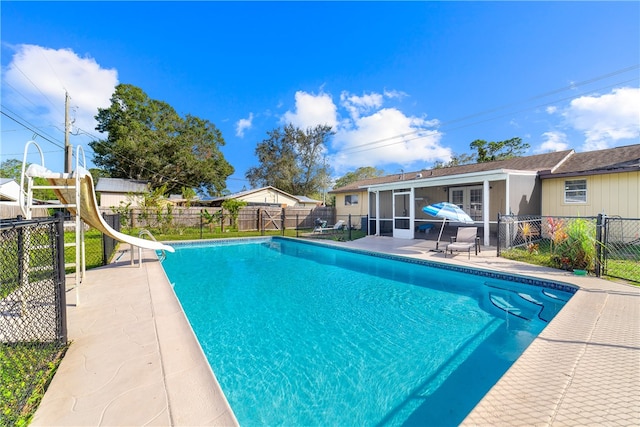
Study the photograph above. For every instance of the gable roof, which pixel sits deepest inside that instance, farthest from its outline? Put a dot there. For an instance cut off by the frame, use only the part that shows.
(9, 189)
(241, 194)
(538, 162)
(611, 160)
(121, 185)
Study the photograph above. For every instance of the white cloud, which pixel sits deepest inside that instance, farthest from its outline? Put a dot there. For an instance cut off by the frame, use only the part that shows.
(368, 134)
(554, 141)
(388, 137)
(394, 94)
(311, 111)
(606, 119)
(243, 124)
(357, 105)
(36, 80)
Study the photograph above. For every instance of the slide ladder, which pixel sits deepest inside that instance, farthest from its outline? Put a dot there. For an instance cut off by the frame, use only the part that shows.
(25, 199)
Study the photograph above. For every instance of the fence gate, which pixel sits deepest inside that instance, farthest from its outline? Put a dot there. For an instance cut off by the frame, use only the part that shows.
(621, 247)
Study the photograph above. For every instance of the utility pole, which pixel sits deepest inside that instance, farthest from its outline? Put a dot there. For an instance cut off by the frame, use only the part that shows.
(68, 152)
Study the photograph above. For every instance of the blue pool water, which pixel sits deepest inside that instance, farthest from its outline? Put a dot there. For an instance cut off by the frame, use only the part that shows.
(301, 334)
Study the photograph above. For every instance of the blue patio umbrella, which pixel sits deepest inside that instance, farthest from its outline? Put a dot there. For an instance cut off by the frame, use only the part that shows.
(447, 211)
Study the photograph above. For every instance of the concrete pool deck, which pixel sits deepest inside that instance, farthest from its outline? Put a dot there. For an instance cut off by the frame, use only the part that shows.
(134, 360)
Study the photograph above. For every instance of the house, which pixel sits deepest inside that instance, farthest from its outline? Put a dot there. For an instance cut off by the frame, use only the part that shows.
(114, 191)
(267, 196)
(9, 201)
(393, 204)
(594, 182)
(9, 191)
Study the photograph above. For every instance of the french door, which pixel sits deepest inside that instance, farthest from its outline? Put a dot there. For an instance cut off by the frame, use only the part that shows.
(469, 199)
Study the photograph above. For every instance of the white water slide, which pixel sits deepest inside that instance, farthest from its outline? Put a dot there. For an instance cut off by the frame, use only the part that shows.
(75, 191)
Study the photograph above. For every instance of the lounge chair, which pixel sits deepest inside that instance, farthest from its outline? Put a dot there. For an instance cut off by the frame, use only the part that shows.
(465, 239)
(337, 226)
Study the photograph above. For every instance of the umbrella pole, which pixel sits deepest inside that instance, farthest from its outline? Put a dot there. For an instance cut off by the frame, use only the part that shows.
(439, 236)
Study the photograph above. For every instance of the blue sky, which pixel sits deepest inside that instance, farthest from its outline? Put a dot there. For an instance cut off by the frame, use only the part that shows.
(403, 84)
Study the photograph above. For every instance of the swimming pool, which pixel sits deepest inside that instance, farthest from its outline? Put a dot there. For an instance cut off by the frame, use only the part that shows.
(301, 334)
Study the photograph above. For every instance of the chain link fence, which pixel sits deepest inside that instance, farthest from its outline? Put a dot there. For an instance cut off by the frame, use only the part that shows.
(621, 248)
(33, 328)
(608, 246)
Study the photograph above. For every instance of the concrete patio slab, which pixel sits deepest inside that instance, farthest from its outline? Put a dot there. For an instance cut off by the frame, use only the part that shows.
(135, 361)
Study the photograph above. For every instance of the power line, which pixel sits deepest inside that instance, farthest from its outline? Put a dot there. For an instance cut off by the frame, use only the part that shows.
(34, 130)
(360, 147)
(37, 88)
(504, 106)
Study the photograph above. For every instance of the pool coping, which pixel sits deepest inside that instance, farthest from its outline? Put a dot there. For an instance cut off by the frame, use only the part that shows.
(135, 360)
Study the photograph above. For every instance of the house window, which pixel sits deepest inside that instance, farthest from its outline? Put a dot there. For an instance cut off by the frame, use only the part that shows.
(575, 191)
(351, 200)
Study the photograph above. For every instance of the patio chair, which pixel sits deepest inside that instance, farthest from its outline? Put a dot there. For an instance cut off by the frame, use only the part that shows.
(337, 226)
(465, 239)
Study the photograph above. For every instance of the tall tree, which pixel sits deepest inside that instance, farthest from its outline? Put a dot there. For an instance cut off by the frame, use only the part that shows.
(487, 152)
(456, 160)
(357, 175)
(498, 150)
(148, 140)
(292, 160)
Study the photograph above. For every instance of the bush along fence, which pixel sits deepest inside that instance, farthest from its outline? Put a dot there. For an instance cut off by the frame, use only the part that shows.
(603, 245)
(33, 327)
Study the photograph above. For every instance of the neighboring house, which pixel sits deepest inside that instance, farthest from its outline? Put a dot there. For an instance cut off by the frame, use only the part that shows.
(9, 201)
(9, 191)
(393, 204)
(179, 200)
(112, 191)
(594, 182)
(267, 196)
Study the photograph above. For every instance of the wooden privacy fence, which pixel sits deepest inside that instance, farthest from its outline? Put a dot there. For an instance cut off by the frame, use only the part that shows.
(250, 218)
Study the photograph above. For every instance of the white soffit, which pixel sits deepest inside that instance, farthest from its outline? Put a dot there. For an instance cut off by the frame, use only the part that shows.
(449, 180)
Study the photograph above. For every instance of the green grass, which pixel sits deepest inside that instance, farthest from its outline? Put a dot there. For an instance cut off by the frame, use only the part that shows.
(92, 249)
(624, 269)
(194, 234)
(26, 369)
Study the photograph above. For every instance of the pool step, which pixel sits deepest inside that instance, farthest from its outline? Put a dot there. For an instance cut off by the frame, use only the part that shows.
(511, 303)
(523, 301)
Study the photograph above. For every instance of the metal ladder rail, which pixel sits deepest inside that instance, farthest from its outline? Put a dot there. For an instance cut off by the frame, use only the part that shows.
(25, 199)
(145, 232)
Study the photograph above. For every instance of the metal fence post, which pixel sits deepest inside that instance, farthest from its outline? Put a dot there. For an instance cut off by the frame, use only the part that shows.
(21, 257)
(60, 293)
(104, 242)
(498, 240)
(297, 225)
(600, 223)
(283, 216)
(349, 225)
